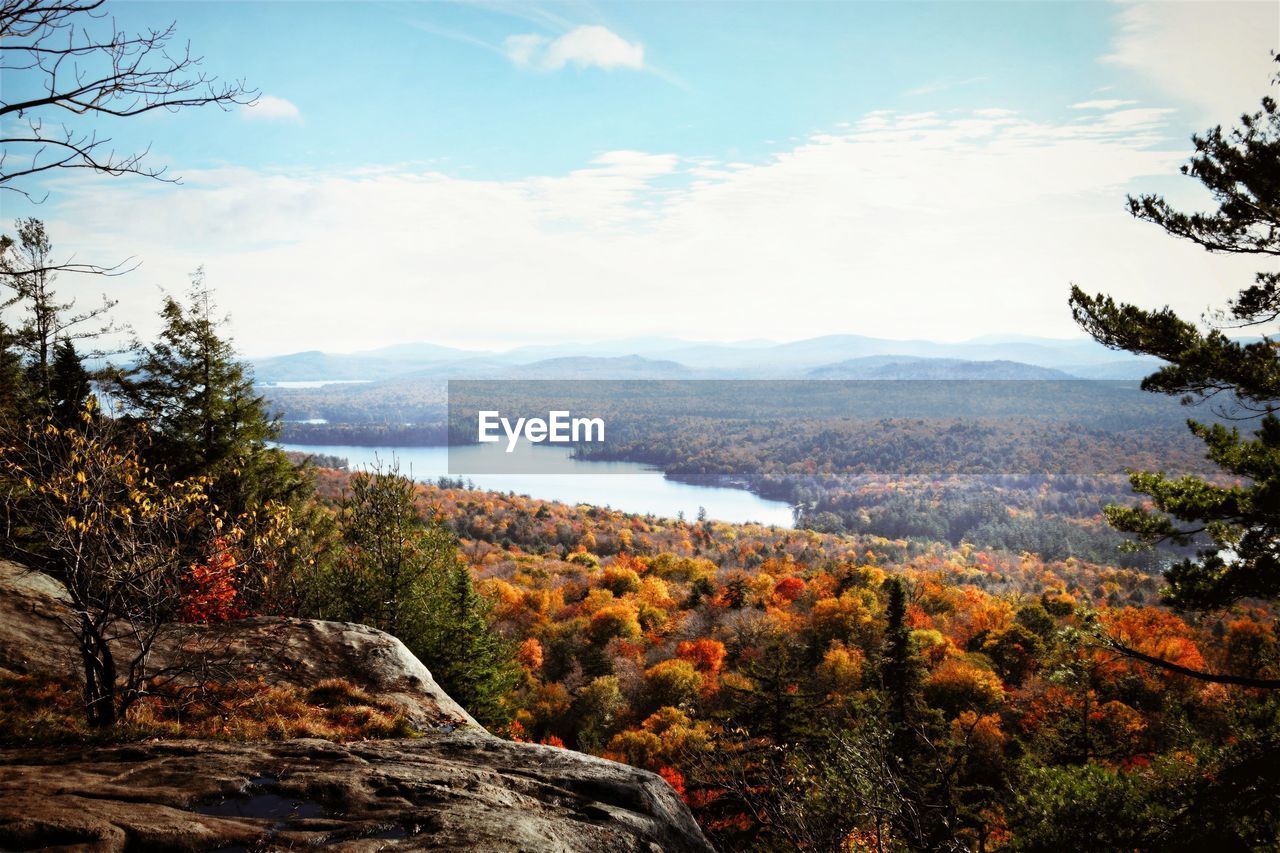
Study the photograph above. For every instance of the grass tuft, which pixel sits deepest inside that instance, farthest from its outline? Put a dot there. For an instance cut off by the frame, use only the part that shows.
(43, 710)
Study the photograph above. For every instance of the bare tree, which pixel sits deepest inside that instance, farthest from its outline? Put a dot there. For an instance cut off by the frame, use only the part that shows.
(64, 61)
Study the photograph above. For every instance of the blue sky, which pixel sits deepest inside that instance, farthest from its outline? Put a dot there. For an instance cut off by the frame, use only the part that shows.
(380, 83)
(487, 174)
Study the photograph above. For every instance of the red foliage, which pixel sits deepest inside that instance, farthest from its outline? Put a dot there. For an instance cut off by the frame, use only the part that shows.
(789, 589)
(211, 594)
(675, 779)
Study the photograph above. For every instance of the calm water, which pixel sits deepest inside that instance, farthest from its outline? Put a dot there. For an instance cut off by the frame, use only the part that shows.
(626, 486)
(312, 383)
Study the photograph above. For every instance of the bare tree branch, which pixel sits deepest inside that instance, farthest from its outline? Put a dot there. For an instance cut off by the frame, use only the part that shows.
(1199, 675)
(68, 60)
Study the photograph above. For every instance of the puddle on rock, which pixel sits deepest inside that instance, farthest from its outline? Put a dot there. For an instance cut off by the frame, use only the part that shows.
(258, 801)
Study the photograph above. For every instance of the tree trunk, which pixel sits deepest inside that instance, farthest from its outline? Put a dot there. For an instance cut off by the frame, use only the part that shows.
(99, 676)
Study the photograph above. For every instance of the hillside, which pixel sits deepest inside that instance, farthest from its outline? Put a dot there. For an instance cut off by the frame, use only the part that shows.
(711, 652)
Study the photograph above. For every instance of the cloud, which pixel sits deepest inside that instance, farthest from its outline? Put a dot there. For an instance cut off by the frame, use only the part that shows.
(899, 225)
(583, 47)
(1103, 104)
(271, 108)
(1212, 56)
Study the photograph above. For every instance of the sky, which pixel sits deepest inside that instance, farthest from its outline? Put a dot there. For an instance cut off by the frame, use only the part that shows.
(488, 174)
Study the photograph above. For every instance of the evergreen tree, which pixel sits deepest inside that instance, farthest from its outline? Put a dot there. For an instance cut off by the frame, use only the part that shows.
(474, 663)
(926, 811)
(12, 380)
(29, 271)
(1241, 170)
(406, 577)
(778, 701)
(900, 671)
(393, 564)
(69, 387)
(199, 401)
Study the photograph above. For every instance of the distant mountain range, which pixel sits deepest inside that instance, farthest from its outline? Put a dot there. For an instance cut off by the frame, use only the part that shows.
(828, 357)
(899, 367)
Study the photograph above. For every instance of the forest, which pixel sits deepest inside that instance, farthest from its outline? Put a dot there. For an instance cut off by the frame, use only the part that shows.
(757, 670)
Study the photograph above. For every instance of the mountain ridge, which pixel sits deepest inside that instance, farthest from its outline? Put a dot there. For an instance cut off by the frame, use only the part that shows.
(669, 358)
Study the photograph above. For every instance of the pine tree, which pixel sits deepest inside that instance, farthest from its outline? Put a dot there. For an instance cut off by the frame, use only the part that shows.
(13, 393)
(393, 563)
(900, 671)
(925, 813)
(406, 577)
(28, 269)
(474, 663)
(1241, 170)
(779, 699)
(69, 386)
(198, 399)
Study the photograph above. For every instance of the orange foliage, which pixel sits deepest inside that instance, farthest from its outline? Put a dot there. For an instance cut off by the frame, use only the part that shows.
(211, 594)
(530, 654)
(1159, 633)
(958, 685)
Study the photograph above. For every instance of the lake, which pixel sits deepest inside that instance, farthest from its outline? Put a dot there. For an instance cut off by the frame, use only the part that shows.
(626, 486)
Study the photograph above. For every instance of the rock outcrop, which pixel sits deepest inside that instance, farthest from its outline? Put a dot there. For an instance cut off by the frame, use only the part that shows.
(300, 652)
(455, 788)
(456, 791)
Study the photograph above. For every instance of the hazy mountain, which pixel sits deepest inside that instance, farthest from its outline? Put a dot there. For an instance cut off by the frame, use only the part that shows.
(899, 367)
(1079, 357)
(1132, 368)
(384, 363)
(302, 366)
(587, 367)
(1043, 352)
(797, 357)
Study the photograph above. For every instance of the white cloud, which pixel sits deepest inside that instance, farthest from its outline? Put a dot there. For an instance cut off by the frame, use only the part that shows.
(916, 225)
(1103, 104)
(1213, 55)
(525, 50)
(583, 46)
(271, 108)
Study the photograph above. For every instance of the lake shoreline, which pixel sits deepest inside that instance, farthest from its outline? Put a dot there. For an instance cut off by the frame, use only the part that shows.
(632, 487)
